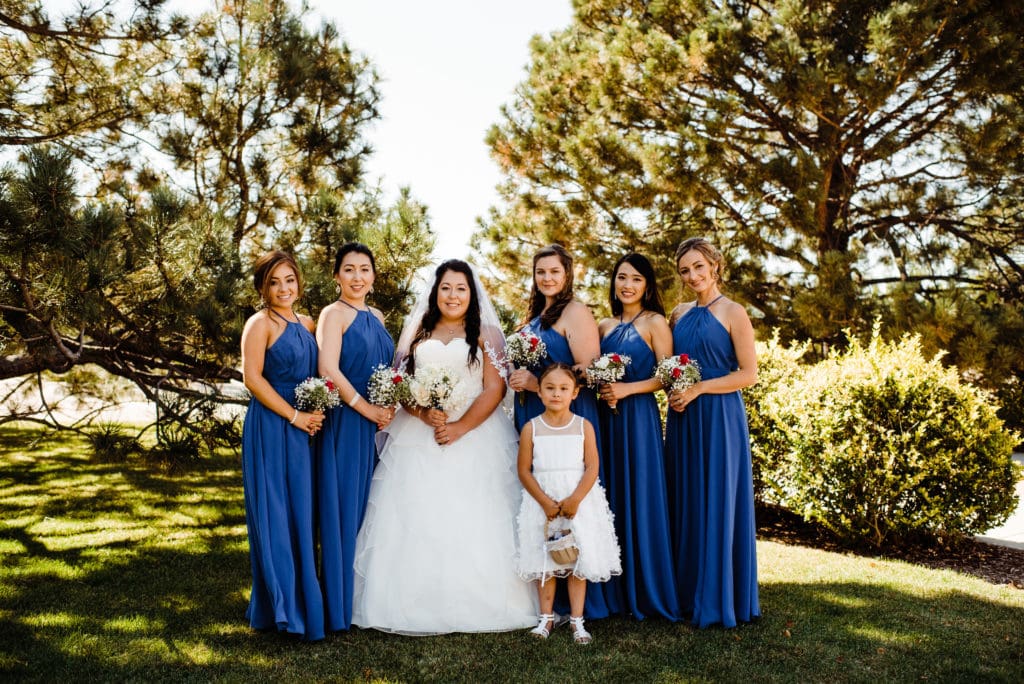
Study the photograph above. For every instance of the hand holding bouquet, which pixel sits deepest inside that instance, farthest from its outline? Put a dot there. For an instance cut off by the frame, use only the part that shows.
(524, 350)
(316, 395)
(678, 372)
(606, 369)
(387, 386)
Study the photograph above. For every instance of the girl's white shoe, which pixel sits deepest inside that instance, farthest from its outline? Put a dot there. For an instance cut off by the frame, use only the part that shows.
(579, 633)
(544, 626)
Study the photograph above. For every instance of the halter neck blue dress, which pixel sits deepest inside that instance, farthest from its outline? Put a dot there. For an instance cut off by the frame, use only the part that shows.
(634, 477)
(710, 485)
(345, 459)
(277, 478)
(585, 405)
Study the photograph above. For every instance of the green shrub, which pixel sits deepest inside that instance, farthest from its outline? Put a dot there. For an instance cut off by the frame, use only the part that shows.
(777, 367)
(110, 444)
(884, 444)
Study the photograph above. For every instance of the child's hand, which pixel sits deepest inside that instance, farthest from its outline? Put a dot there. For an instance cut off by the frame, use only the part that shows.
(551, 509)
(569, 507)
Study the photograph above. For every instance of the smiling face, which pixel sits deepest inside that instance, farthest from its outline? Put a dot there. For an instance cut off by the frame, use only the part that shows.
(630, 284)
(355, 276)
(453, 296)
(282, 287)
(696, 272)
(549, 275)
(557, 389)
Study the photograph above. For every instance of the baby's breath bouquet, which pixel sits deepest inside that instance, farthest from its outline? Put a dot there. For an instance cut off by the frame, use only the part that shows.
(606, 369)
(677, 372)
(524, 350)
(437, 387)
(387, 386)
(316, 395)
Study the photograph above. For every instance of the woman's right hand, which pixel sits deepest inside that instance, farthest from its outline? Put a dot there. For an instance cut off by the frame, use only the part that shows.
(521, 380)
(381, 415)
(309, 422)
(551, 509)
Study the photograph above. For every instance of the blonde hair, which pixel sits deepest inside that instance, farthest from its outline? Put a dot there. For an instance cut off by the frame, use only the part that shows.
(707, 250)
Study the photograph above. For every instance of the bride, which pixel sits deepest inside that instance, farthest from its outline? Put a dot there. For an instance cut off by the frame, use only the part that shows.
(436, 552)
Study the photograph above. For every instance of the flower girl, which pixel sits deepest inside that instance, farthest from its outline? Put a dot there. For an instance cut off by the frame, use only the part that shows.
(558, 466)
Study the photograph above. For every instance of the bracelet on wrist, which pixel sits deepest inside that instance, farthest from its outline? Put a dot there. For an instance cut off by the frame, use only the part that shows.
(294, 417)
(354, 400)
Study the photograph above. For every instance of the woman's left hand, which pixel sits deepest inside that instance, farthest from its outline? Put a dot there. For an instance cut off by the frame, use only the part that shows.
(612, 392)
(678, 401)
(448, 433)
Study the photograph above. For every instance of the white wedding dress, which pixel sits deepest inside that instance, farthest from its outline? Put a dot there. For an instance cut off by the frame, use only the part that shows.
(436, 552)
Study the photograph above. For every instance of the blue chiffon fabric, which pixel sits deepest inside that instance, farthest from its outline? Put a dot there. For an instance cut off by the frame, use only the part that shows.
(277, 478)
(711, 492)
(634, 477)
(345, 459)
(585, 405)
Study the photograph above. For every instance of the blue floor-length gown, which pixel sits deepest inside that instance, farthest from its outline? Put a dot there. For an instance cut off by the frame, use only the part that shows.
(277, 477)
(345, 461)
(711, 491)
(634, 477)
(585, 404)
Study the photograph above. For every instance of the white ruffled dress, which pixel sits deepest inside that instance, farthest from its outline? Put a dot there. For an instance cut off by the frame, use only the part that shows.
(558, 468)
(436, 552)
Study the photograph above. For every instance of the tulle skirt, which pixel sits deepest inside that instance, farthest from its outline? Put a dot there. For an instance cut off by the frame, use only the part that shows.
(436, 552)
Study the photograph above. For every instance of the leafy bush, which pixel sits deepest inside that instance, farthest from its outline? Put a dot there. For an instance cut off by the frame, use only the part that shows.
(777, 366)
(883, 444)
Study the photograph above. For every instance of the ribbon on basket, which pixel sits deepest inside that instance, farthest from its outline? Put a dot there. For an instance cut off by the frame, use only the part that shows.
(559, 546)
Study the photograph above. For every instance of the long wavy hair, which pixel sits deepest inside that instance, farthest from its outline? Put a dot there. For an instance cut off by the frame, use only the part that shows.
(562, 299)
(651, 301)
(265, 265)
(358, 248)
(433, 313)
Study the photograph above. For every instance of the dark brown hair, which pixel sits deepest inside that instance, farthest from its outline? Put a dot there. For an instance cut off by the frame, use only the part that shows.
(266, 264)
(558, 365)
(562, 299)
(651, 300)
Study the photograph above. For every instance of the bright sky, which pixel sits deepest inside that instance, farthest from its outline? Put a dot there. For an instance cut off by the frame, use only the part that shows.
(447, 67)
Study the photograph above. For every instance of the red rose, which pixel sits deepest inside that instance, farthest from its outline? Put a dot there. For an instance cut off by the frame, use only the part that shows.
(533, 343)
(684, 358)
(676, 372)
(616, 358)
(396, 379)
(330, 386)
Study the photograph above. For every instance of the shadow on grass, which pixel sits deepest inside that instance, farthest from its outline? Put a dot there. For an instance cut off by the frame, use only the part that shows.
(143, 576)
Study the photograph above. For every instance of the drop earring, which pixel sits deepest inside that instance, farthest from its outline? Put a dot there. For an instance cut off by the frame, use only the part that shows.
(337, 287)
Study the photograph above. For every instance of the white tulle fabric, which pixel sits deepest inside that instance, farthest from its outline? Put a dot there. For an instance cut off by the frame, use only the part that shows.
(558, 468)
(436, 552)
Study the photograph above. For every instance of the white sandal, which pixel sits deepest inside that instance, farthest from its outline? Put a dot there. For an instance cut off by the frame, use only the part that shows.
(579, 633)
(544, 627)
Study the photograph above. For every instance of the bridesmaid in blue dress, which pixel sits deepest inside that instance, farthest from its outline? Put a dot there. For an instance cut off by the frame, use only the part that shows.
(570, 334)
(353, 342)
(634, 471)
(707, 450)
(279, 352)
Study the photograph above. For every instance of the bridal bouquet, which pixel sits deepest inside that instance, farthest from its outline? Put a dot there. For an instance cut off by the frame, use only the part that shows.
(316, 394)
(387, 386)
(678, 372)
(524, 350)
(437, 387)
(606, 369)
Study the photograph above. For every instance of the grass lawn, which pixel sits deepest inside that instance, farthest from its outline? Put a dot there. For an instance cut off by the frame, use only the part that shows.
(118, 572)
